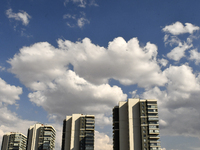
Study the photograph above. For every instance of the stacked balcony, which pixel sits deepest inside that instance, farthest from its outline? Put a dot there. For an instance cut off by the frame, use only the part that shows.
(153, 119)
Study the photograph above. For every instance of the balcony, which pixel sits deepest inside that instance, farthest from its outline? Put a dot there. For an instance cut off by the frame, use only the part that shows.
(154, 137)
(154, 144)
(154, 127)
(153, 131)
(153, 119)
(153, 110)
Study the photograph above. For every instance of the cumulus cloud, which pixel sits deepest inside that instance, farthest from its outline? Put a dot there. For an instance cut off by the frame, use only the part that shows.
(180, 46)
(9, 121)
(181, 78)
(102, 141)
(20, 16)
(178, 28)
(163, 62)
(179, 52)
(195, 55)
(77, 74)
(9, 93)
(86, 87)
(71, 90)
(179, 102)
(120, 61)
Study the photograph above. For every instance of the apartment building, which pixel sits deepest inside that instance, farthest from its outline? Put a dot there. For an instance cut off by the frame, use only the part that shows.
(14, 141)
(41, 137)
(136, 125)
(78, 132)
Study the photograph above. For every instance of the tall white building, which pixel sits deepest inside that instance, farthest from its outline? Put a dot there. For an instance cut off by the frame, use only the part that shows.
(14, 141)
(41, 137)
(135, 125)
(78, 132)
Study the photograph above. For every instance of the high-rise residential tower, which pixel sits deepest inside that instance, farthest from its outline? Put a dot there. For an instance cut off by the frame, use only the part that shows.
(14, 141)
(78, 132)
(41, 137)
(135, 125)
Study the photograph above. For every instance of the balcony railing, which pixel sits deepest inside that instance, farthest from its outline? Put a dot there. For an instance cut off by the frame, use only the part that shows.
(153, 119)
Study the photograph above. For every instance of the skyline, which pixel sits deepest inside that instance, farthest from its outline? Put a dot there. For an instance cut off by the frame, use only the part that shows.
(84, 56)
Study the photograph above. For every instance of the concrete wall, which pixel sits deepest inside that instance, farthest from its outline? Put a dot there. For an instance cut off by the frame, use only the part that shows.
(134, 124)
(5, 142)
(33, 137)
(75, 129)
(68, 132)
(123, 126)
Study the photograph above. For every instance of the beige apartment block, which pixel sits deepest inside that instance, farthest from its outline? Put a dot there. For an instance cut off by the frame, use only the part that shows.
(135, 125)
(14, 141)
(41, 137)
(78, 132)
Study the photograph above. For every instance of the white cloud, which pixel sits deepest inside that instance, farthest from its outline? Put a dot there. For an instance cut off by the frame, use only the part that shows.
(9, 121)
(195, 55)
(71, 90)
(82, 3)
(178, 28)
(102, 141)
(52, 80)
(121, 60)
(181, 46)
(179, 102)
(134, 94)
(79, 21)
(86, 87)
(182, 79)
(171, 40)
(82, 21)
(9, 93)
(2, 68)
(20, 16)
(68, 16)
(178, 52)
(163, 62)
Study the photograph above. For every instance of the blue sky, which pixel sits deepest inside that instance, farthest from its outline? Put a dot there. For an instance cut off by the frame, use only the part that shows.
(61, 57)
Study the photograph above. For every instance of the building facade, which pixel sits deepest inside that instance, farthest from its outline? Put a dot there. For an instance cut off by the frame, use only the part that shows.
(41, 137)
(78, 132)
(135, 125)
(14, 141)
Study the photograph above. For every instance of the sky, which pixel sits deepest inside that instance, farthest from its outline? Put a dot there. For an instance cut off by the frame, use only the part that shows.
(61, 57)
